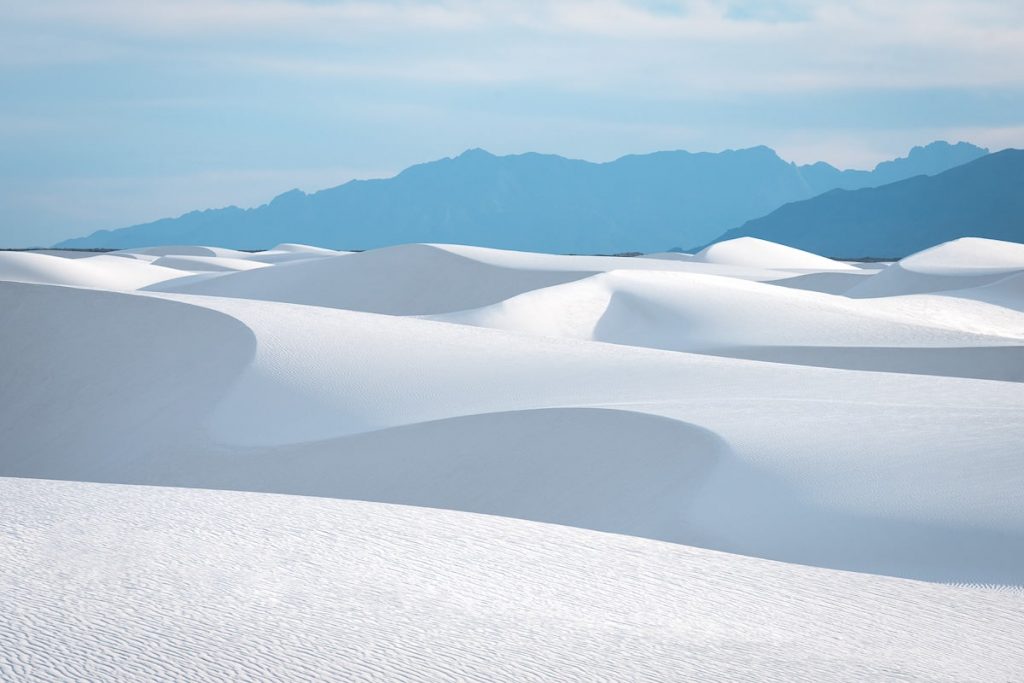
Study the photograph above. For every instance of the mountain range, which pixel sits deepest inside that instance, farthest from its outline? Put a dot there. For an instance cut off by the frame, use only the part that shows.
(983, 198)
(537, 202)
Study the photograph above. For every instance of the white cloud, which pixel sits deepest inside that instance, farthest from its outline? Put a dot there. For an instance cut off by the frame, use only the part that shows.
(702, 45)
(93, 203)
(103, 89)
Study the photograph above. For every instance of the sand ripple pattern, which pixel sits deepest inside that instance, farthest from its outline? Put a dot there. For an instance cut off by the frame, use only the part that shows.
(110, 582)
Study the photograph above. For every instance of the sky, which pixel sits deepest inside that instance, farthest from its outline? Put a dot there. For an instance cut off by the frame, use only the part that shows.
(117, 112)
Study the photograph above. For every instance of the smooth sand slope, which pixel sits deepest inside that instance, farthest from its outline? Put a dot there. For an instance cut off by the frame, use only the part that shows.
(964, 263)
(418, 279)
(727, 316)
(598, 393)
(804, 270)
(207, 263)
(1007, 292)
(284, 253)
(404, 280)
(184, 250)
(132, 583)
(301, 399)
(99, 271)
(758, 253)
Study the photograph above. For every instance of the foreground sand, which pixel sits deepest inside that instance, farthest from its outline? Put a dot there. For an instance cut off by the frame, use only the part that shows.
(108, 582)
(751, 399)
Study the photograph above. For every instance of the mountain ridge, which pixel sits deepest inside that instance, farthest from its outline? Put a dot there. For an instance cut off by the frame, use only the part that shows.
(981, 198)
(533, 202)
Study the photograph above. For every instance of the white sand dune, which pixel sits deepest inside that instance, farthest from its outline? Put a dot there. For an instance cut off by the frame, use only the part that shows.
(753, 271)
(95, 381)
(65, 253)
(102, 272)
(596, 264)
(305, 249)
(686, 311)
(419, 279)
(670, 256)
(207, 263)
(967, 256)
(558, 465)
(754, 252)
(1007, 292)
(827, 282)
(726, 316)
(897, 280)
(275, 257)
(882, 436)
(285, 253)
(295, 393)
(411, 279)
(148, 258)
(184, 250)
(964, 263)
(102, 582)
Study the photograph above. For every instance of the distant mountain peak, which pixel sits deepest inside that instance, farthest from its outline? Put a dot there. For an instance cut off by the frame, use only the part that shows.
(980, 198)
(288, 197)
(945, 145)
(932, 158)
(755, 152)
(760, 149)
(536, 202)
(475, 153)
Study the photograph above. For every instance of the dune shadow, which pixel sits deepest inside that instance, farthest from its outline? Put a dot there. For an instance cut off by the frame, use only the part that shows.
(827, 283)
(602, 469)
(748, 510)
(1004, 363)
(103, 385)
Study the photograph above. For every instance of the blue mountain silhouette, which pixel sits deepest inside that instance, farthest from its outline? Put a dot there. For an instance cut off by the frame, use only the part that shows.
(535, 202)
(983, 198)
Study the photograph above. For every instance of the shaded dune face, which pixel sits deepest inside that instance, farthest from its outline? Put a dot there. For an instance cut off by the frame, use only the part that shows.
(99, 382)
(615, 394)
(732, 318)
(897, 280)
(828, 283)
(1007, 292)
(133, 381)
(1002, 363)
(965, 263)
(102, 272)
(210, 264)
(608, 470)
(405, 280)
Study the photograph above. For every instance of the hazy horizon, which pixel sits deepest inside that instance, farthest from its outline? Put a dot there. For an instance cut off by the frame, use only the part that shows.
(118, 113)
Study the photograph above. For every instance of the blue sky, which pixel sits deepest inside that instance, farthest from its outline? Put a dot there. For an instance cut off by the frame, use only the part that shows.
(114, 112)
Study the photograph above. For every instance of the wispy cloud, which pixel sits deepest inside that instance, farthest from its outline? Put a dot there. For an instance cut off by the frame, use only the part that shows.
(93, 203)
(707, 45)
(164, 91)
